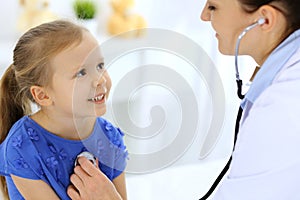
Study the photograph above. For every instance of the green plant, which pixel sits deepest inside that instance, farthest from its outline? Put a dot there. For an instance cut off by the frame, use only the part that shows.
(85, 9)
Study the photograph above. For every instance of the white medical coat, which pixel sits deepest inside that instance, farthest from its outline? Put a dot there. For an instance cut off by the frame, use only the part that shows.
(266, 159)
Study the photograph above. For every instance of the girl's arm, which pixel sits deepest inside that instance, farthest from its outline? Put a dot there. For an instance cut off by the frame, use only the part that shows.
(34, 189)
(120, 185)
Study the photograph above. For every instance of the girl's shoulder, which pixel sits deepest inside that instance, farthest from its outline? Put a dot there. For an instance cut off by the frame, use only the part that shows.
(21, 129)
(17, 152)
(113, 133)
(27, 138)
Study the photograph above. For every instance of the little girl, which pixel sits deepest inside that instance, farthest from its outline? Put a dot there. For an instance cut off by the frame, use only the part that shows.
(59, 67)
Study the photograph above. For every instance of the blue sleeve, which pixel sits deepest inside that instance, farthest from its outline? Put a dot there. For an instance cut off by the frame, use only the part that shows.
(16, 157)
(118, 152)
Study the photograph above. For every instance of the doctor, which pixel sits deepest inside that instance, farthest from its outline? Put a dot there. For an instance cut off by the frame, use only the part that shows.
(265, 164)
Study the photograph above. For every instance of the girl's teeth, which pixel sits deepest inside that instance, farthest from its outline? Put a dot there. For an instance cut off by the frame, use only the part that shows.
(97, 98)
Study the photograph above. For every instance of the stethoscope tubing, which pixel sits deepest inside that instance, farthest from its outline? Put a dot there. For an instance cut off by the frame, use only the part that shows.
(248, 28)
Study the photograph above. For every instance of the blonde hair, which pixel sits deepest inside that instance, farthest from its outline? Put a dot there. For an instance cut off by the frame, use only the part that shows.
(31, 66)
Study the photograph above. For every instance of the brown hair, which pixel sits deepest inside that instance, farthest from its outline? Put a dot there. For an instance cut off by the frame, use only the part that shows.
(31, 66)
(289, 8)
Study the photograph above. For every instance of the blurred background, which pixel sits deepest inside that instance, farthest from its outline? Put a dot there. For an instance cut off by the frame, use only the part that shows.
(188, 177)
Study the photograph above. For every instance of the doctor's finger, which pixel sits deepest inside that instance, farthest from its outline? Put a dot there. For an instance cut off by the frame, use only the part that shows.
(83, 175)
(88, 167)
(73, 193)
(97, 163)
(77, 182)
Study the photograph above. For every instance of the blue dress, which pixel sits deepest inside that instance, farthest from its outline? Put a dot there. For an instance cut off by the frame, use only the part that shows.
(29, 151)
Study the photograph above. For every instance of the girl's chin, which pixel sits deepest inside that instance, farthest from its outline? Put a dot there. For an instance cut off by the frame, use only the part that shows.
(100, 112)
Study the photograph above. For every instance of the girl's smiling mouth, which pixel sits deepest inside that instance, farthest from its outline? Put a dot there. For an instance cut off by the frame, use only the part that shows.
(98, 99)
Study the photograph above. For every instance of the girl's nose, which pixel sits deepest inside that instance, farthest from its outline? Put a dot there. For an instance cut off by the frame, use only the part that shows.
(100, 81)
(205, 14)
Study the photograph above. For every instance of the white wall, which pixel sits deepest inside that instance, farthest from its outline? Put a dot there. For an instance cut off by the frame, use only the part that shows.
(169, 14)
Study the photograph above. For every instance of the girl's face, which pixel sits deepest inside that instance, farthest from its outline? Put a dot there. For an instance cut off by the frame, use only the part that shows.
(228, 20)
(80, 84)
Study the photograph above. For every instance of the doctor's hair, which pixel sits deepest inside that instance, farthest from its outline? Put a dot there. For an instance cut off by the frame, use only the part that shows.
(32, 67)
(289, 8)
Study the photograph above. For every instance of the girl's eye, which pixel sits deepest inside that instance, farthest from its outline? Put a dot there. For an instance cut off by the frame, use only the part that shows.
(100, 66)
(80, 73)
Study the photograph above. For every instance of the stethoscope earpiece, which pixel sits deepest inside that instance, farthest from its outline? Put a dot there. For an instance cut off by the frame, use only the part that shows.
(261, 21)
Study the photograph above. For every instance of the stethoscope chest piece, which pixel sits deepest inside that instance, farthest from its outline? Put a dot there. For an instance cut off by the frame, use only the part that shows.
(88, 155)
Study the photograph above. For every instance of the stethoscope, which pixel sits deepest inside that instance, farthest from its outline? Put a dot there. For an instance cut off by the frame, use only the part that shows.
(237, 74)
(241, 96)
(87, 155)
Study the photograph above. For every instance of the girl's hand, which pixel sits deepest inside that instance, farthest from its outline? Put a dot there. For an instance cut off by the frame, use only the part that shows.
(89, 183)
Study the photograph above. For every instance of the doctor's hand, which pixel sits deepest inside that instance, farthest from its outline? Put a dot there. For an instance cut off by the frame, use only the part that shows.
(89, 183)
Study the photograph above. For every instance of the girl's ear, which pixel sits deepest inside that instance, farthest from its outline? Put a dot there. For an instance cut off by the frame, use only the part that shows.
(40, 96)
